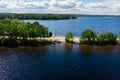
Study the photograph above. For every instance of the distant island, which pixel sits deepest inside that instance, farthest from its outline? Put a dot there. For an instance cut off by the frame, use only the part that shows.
(36, 16)
(47, 16)
(94, 15)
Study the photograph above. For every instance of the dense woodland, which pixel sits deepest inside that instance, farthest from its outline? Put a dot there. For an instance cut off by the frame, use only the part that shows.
(24, 16)
(16, 31)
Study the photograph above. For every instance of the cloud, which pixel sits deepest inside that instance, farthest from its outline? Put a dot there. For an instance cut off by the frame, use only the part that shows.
(12, 4)
(61, 6)
(35, 5)
(66, 4)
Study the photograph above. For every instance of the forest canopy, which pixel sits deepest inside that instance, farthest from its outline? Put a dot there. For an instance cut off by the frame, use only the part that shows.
(17, 32)
(16, 28)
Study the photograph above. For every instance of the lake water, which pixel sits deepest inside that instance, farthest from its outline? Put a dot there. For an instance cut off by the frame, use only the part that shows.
(65, 61)
(76, 26)
(60, 62)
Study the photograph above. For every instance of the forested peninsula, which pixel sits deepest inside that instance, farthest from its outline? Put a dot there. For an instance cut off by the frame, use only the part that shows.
(18, 33)
(23, 16)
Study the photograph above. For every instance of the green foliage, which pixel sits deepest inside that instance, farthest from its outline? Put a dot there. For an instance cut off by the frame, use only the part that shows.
(22, 30)
(110, 37)
(8, 42)
(36, 16)
(69, 37)
(101, 37)
(16, 29)
(50, 34)
(88, 35)
(2, 28)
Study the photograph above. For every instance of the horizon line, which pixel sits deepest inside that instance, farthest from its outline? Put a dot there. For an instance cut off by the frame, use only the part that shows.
(62, 13)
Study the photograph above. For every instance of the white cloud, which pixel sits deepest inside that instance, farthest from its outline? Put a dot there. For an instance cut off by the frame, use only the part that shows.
(59, 6)
(35, 5)
(66, 4)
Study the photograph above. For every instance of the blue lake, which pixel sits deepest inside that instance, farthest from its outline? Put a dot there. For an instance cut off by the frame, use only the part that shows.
(76, 26)
(60, 62)
(65, 61)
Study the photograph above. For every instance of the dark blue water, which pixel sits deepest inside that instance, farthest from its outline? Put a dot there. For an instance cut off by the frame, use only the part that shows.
(60, 62)
(76, 26)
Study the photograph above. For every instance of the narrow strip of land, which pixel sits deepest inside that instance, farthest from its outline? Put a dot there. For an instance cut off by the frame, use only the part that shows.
(75, 39)
(62, 39)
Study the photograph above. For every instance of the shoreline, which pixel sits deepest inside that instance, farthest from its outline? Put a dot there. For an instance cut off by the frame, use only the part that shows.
(76, 39)
(62, 39)
(46, 41)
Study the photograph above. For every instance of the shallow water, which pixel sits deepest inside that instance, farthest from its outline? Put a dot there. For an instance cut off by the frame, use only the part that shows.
(60, 62)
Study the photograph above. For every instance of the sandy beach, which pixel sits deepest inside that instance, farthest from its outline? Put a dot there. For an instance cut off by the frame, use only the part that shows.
(62, 39)
(75, 39)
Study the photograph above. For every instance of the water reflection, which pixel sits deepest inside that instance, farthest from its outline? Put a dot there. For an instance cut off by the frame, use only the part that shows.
(68, 47)
(4, 50)
(23, 48)
(52, 63)
(104, 49)
(85, 49)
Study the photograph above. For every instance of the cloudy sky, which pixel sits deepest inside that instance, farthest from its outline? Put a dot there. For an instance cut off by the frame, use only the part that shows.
(110, 7)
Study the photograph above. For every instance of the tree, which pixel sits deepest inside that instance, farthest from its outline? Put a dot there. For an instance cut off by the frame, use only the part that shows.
(110, 37)
(22, 30)
(13, 29)
(2, 29)
(7, 21)
(69, 37)
(10, 30)
(88, 35)
(50, 34)
(36, 24)
(101, 37)
(43, 31)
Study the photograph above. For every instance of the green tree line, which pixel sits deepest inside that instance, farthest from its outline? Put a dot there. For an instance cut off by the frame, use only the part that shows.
(90, 37)
(22, 16)
(16, 30)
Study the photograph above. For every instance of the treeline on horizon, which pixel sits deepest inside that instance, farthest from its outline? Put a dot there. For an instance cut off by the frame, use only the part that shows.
(23, 16)
(94, 15)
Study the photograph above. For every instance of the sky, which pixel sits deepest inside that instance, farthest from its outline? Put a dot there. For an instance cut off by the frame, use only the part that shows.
(101, 7)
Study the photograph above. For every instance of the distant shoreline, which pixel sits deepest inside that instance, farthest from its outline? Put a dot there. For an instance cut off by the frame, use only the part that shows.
(84, 15)
(48, 16)
(36, 16)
